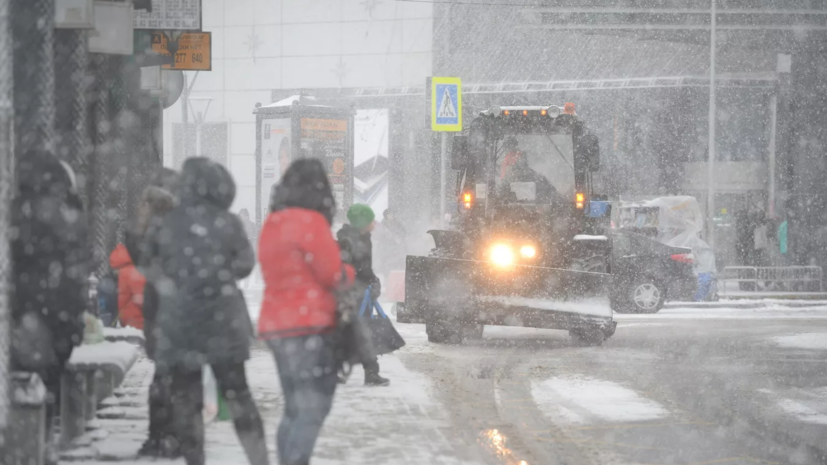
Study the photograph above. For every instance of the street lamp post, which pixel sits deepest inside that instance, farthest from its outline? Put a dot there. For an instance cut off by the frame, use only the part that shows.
(710, 194)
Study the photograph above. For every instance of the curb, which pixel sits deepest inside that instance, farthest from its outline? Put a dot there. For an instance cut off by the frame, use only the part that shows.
(748, 304)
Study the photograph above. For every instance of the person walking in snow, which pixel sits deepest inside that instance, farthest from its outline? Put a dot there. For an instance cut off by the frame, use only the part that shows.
(156, 201)
(51, 270)
(357, 250)
(302, 268)
(194, 256)
(390, 237)
(130, 288)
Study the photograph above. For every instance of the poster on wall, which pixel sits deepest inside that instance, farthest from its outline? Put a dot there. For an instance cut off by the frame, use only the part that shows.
(275, 156)
(326, 139)
(371, 164)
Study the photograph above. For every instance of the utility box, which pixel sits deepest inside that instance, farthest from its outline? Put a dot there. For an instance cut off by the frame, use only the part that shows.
(303, 127)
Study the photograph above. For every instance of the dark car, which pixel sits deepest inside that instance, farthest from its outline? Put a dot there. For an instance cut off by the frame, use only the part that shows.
(646, 273)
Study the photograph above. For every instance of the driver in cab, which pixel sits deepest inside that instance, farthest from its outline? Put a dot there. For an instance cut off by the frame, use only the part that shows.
(516, 169)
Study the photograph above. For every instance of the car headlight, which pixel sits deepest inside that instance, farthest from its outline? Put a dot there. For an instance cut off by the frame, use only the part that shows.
(528, 251)
(502, 255)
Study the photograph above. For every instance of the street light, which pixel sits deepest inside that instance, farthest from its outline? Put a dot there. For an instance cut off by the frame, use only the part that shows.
(710, 195)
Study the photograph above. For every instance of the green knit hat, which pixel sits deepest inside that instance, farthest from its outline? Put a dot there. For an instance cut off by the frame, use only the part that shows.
(360, 215)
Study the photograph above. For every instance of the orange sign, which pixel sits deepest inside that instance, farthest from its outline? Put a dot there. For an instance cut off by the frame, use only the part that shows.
(194, 50)
(338, 166)
(314, 124)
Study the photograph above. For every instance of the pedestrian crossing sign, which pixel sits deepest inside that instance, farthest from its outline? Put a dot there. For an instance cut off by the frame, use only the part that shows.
(446, 104)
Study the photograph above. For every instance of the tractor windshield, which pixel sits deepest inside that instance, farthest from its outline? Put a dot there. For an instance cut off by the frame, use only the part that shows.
(535, 168)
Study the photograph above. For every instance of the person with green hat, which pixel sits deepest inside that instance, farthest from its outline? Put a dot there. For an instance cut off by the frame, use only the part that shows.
(357, 250)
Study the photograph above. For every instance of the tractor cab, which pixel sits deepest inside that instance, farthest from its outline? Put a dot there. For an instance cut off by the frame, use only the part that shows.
(525, 171)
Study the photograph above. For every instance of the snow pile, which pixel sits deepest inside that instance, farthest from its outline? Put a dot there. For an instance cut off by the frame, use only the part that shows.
(586, 237)
(123, 334)
(769, 312)
(805, 405)
(813, 341)
(27, 389)
(118, 354)
(293, 99)
(802, 412)
(578, 401)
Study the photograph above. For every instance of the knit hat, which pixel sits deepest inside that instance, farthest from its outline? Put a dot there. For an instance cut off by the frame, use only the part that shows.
(360, 215)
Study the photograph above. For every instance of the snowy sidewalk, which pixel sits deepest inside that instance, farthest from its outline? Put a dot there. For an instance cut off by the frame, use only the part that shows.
(399, 424)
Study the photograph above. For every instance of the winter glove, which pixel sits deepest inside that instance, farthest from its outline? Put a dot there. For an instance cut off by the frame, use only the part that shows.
(375, 290)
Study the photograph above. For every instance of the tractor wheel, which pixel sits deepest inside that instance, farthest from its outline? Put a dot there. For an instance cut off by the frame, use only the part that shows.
(402, 313)
(442, 331)
(473, 331)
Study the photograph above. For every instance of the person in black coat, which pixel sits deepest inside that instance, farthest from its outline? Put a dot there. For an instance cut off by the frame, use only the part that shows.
(357, 250)
(193, 256)
(156, 201)
(51, 269)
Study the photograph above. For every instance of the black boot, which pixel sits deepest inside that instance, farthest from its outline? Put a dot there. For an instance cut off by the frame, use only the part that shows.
(169, 447)
(372, 377)
(150, 448)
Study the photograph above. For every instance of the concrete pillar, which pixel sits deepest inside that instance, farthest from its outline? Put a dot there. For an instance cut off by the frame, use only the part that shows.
(72, 406)
(90, 404)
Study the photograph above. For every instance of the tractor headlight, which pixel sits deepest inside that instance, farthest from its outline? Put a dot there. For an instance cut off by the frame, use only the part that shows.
(502, 255)
(528, 251)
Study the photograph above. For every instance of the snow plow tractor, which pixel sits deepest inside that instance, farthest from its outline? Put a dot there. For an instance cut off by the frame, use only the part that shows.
(526, 246)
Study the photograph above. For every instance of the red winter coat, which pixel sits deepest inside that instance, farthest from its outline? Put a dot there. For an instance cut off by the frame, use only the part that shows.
(301, 264)
(130, 288)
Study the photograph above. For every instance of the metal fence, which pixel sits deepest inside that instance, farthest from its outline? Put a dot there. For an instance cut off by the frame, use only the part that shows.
(787, 279)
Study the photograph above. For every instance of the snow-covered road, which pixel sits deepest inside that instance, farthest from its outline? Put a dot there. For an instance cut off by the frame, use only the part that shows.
(687, 385)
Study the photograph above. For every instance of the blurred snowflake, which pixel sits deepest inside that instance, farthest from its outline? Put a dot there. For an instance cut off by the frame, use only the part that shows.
(253, 43)
(370, 5)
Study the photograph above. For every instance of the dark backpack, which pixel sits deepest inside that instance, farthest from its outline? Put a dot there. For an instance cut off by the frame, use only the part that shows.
(108, 298)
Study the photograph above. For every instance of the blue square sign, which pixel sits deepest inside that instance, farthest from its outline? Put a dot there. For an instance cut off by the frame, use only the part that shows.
(446, 104)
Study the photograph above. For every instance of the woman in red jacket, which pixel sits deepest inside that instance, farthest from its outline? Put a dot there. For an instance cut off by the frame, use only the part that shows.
(130, 288)
(302, 266)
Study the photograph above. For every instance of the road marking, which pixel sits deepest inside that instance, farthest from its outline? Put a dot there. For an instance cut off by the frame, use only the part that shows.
(497, 399)
(727, 460)
(802, 412)
(581, 401)
(817, 341)
(809, 405)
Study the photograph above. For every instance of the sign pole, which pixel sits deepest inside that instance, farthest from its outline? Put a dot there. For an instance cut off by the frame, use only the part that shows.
(184, 124)
(443, 177)
(446, 116)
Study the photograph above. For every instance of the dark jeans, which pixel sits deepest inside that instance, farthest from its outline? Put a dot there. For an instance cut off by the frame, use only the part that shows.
(160, 415)
(187, 399)
(308, 375)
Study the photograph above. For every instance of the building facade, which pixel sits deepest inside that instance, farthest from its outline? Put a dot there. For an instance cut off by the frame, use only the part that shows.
(638, 72)
(264, 45)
